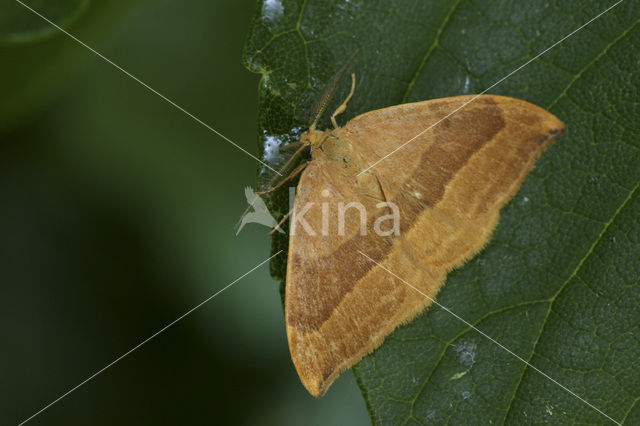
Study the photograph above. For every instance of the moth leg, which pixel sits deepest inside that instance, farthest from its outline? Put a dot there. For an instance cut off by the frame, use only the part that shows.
(290, 176)
(343, 106)
(277, 227)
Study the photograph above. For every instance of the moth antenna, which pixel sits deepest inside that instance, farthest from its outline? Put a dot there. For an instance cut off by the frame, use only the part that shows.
(292, 146)
(328, 91)
(291, 175)
(286, 170)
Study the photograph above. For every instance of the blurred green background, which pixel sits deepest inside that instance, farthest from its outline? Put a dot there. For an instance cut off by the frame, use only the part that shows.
(117, 216)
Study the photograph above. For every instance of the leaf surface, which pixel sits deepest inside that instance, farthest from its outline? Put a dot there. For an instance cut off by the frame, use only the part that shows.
(558, 285)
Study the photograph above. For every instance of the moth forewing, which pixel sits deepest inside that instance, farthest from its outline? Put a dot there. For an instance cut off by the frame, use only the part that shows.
(448, 186)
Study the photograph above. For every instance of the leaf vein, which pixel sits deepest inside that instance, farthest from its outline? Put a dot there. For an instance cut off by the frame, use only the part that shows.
(591, 63)
(430, 50)
(553, 298)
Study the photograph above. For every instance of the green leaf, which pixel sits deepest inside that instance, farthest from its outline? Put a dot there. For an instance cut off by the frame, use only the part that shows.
(559, 283)
(18, 24)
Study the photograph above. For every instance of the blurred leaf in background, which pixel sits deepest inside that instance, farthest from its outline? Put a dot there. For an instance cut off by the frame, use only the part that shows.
(17, 25)
(559, 282)
(117, 215)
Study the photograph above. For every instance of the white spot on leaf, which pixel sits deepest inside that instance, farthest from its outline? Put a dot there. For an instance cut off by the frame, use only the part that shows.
(467, 83)
(272, 9)
(466, 353)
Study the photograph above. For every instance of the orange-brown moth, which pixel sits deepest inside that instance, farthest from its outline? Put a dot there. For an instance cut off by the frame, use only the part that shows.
(448, 184)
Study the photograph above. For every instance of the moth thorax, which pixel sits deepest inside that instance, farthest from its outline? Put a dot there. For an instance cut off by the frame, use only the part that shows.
(337, 150)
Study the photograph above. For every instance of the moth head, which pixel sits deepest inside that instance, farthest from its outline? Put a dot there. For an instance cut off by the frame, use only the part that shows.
(312, 137)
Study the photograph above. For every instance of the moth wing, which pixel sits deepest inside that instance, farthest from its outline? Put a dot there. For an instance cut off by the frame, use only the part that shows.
(462, 158)
(338, 304)
(449, 185)
(463, 155)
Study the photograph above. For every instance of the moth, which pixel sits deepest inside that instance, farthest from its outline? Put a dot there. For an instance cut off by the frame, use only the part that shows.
(435, 201)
